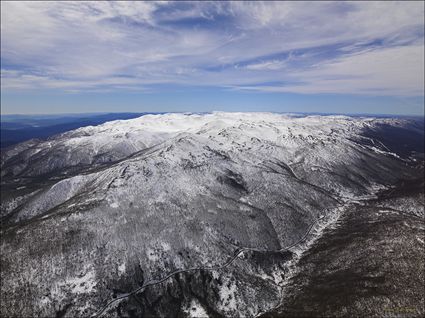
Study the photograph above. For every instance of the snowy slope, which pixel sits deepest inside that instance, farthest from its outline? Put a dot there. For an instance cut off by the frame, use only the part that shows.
(118, 139)
(160, 193)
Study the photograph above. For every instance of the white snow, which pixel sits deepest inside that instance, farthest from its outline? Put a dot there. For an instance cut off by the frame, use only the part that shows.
(166, 247)
(385, 152)
(153, 180)
(152, 255)
(84, 284)
(195, 310)
(227, 295)
(121, 268)
(136, 134)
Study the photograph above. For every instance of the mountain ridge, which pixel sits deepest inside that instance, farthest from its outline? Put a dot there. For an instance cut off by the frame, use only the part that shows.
(200, 187)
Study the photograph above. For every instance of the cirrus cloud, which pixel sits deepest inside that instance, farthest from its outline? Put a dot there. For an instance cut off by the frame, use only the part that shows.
(372, 48)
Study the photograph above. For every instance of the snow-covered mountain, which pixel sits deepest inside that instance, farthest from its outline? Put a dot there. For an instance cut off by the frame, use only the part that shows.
(230, 199)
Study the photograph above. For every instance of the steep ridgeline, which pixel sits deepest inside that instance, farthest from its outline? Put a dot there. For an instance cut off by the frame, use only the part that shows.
(93, 214)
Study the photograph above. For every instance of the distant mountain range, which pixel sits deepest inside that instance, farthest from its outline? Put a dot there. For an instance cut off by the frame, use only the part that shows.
(19, 128)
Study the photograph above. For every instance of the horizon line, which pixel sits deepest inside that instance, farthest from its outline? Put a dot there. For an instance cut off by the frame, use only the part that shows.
(214, 111)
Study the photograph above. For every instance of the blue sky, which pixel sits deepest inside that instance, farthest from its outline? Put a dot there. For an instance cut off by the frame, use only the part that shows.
(339, 57)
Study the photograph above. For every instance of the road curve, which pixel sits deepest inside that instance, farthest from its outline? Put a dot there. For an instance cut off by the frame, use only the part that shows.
(237, 253)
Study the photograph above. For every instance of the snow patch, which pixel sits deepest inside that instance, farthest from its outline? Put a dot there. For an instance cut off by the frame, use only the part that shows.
(152, 255)
(165, 246)
(83, 285)
(121, 268)
(227, 295)
(195, 310)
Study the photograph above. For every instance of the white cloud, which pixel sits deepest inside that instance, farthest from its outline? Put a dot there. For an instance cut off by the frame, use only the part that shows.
(390, 71)
(268, 65)
(88, 45)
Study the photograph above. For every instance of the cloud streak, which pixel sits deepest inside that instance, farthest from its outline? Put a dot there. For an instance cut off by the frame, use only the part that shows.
(371, 48)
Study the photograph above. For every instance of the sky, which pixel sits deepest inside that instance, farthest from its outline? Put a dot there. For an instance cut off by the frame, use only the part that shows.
(330, 57)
